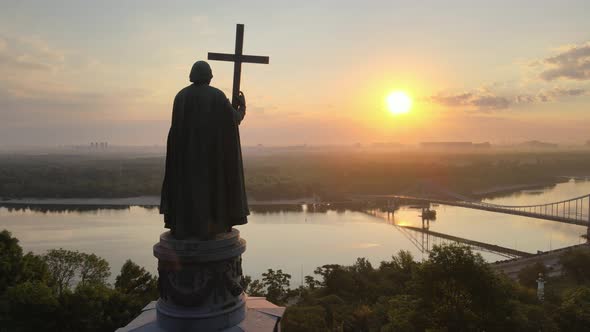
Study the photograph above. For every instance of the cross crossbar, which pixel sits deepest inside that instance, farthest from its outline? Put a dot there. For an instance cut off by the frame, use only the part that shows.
(238, 58)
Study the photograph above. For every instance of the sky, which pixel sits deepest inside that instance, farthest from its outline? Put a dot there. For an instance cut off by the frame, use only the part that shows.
(72, 72)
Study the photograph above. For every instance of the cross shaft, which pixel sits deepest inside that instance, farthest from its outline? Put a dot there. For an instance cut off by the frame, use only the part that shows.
(238, 58)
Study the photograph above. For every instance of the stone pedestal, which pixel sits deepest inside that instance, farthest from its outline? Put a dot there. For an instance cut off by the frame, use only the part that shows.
(200, 290)
(200, 282)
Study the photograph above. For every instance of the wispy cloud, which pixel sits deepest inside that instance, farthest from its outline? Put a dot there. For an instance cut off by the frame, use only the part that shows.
(485, 100)
(28, 54)
(572, 63)
(482, 101)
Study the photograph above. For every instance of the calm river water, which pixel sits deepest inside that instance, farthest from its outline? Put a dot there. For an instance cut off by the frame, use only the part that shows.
(299, 241)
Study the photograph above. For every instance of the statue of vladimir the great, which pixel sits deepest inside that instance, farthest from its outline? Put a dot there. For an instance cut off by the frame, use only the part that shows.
(203, 193)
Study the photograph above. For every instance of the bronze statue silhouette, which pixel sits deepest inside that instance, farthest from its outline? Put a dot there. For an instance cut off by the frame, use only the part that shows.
(203, 193)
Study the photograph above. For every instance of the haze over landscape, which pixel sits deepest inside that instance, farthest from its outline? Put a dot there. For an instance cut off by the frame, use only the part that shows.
(75, 72)
(382, 166)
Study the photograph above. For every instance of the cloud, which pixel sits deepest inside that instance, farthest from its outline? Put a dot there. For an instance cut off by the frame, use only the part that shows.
(572, 63)
(462, 99)
(486, 100)
(482, 101)
(491, 102)
(554, 94)
(30, 54)
(559, 92)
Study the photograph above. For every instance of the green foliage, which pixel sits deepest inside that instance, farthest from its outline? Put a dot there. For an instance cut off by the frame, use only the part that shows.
(85, 309)
(137, 282)
(311, 283)
(576, 264)
(253, 287)
(304, 319)
(274, 286)
(65, 266)
(32, 306)
(10, 260)
(574, 312)
(38, 294)
(403, 314)
(62, 265)
(34, 268)
(277, 285)
(290, 174)
(93, 270)
(453, 290)
(460, 290)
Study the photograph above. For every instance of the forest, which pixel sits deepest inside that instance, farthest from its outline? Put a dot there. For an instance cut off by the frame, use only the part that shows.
(329, 175)
(452, 290)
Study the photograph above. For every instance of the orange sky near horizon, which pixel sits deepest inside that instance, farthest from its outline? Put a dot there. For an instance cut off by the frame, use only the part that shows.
(74, 73)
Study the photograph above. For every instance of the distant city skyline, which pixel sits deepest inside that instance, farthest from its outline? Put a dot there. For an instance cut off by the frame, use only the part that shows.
(504, 71)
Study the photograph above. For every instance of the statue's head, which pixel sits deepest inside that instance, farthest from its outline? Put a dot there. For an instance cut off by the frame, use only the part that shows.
(201, 73)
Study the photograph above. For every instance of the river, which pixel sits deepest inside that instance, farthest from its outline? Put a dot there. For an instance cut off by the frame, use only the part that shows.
(295, 239)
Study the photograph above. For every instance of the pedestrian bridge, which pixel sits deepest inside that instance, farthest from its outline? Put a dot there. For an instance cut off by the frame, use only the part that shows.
(575, 210)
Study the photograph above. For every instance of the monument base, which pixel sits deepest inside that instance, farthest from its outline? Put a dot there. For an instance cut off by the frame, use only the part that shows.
(173, 318)
(261, 316)
(200, 289)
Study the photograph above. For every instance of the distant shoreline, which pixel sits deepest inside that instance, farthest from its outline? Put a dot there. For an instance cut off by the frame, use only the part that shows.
(510, 189)
(129, 201)
(154, 201)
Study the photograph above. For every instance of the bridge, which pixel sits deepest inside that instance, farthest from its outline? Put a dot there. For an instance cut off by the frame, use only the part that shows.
(495, 249)
(574, 211)
(423, 238)
(571, 211)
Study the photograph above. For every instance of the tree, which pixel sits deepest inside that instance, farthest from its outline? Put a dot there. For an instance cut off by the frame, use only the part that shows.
(136, 281)
(93, 269)
(66, 266)
(361, 318)
(256, 288)
(304, 319)
(404, 314)
(253, 287)
(10, 260)
(277, 285)
(62, 265)
(32, 307)
(460, 291)
(574, 311)
(84, 308)
(34, 268)
(576, 264)
(311, 282)
(336, 279)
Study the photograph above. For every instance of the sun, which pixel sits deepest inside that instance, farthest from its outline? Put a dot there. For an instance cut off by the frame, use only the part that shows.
(398, 102)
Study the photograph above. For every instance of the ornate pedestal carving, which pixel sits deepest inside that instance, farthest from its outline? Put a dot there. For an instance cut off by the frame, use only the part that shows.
(200, 282)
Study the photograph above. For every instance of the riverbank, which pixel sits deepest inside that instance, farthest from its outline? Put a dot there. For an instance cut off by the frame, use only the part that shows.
(510, 189)
(132, 201)
(152, 201)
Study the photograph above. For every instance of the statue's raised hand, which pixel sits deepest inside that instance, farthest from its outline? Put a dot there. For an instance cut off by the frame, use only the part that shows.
(241, 100)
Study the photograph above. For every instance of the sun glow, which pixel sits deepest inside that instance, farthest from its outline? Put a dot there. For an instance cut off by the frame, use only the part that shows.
(398, 102)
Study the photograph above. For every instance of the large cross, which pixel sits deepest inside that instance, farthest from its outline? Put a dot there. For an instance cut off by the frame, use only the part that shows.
(237, 58)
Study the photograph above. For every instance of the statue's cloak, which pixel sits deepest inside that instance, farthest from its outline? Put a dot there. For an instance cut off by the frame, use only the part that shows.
(203, 185)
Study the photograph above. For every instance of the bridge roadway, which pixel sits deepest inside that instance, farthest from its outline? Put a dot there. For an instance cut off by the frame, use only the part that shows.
(489, 207)
(551, 260)
(490, 247)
